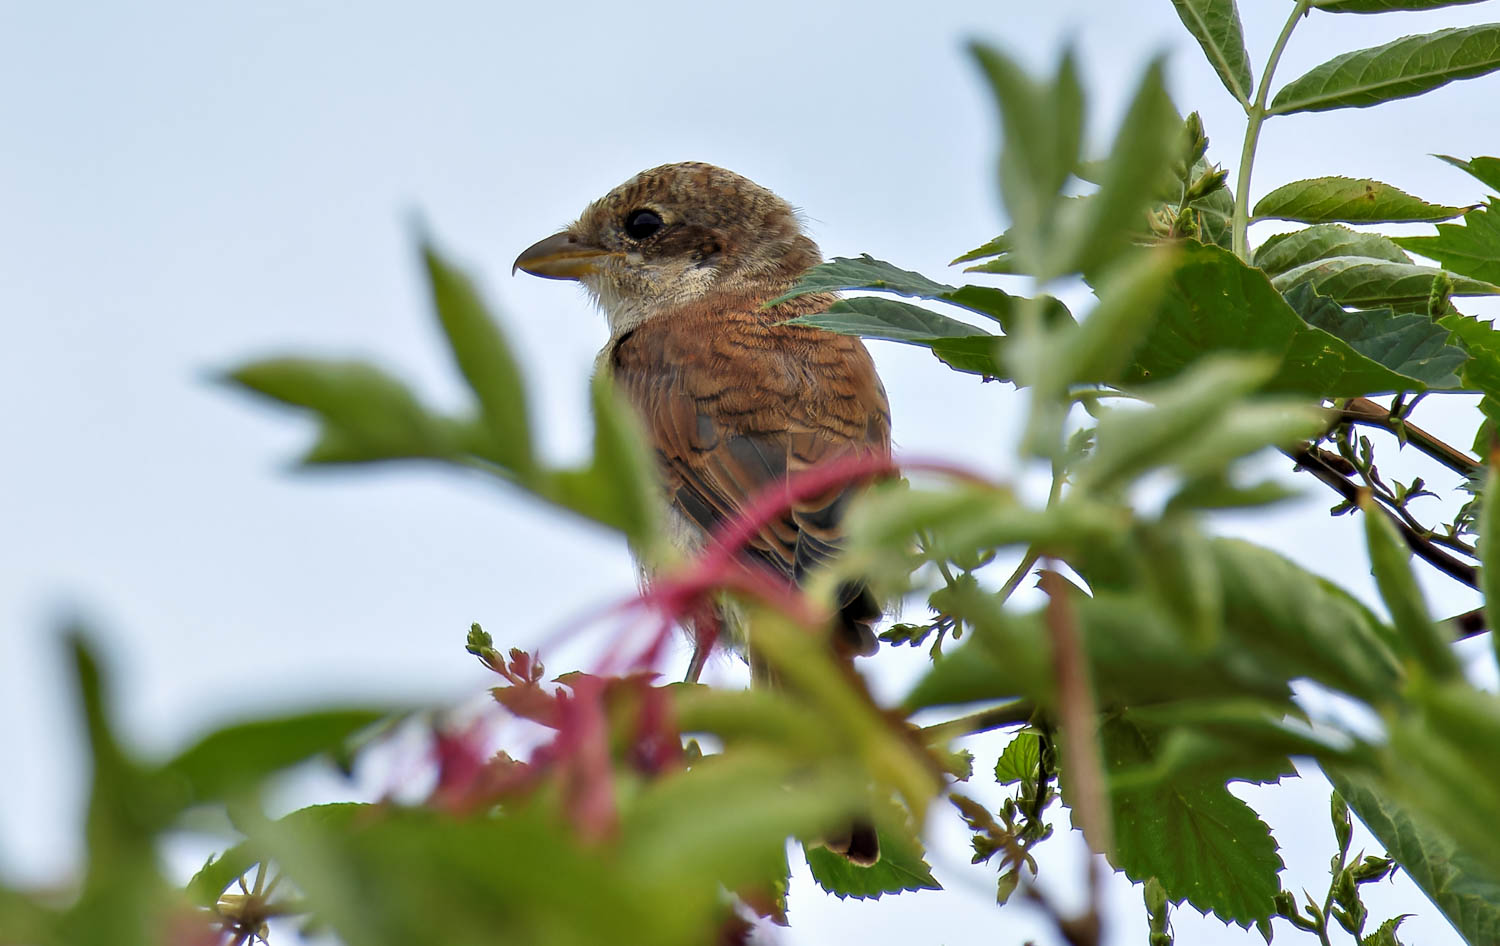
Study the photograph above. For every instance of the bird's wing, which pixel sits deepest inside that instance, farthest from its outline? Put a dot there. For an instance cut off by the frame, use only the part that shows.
(733, 402)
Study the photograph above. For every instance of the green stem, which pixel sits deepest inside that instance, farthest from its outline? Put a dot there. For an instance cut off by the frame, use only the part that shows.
(1256, 114)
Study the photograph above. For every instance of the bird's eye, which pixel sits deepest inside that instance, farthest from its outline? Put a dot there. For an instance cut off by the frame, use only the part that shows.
(642, 223)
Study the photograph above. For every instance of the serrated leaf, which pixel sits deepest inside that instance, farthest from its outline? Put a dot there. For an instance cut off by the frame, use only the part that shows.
(1215, 24)
(485, 360)
(1385, 6)
(1466, 892)
(1472, 249)
(1348, 200)
(1483, 169)
(863, 272)
(1482, 371)
(1385, 933)
(1020, 759)
(238, 756)
(1400, 69)
(999, 246)
(1203, 844)
(1359, 281)
(902, 867)
(1405, 342)
(1286, 251)
(1216, 304)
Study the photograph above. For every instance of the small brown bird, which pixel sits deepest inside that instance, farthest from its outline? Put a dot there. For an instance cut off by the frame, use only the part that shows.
(682, 259)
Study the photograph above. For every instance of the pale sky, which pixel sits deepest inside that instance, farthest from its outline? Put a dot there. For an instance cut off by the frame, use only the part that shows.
(186, 185)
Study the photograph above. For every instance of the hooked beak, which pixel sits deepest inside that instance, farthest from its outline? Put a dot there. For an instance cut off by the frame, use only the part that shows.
(560, 256)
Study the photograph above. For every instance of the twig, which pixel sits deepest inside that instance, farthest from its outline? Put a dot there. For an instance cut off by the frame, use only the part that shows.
(1309, 460)
(1014, 713)
(1362, 410)
(1079, 718)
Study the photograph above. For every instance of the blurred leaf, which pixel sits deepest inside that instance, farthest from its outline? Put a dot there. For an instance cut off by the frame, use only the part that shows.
(1286, 251)
(1390, 560)
(1244, 429)
(402, 876)
(677, 827)
(1041, 128)
(902, 866)
(1407, 343)
(236, 757)
(216, 876)
(1489, 546)
(1472, 249)
(1215, 24)
(1214, 303)
(1203, 844)
(619, 486)
(1467, 893)
(1348, 200)
(1098, 350)
(1143, 146)
(486, 361)
(1130, 441)
(1399, 69)
(1019, 761)
(1355, 280)
(1383, 6)
(365, 414)
(1301, 624)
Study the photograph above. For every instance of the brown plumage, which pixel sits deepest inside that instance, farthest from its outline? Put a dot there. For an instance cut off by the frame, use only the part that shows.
(683, 258)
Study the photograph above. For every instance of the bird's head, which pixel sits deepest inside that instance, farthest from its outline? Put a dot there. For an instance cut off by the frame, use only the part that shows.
(673, 234)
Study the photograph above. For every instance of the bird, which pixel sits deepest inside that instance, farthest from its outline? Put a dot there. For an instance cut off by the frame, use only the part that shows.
(683, 259)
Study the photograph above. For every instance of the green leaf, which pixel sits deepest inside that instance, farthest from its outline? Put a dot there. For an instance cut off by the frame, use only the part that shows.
(1303, 625)
(902, 866)
(1348, 200)
(1489, 545)
(239, 756)
(1383, 6)
(999, 246)
(1203, 844)
(1471, 250)
(1405, 342)
(1359, 281)
(962, 346)
(863, 272)
(1286, 251)
(1041, 127)
(1130, 442)
(365, 413)
(1467, 893)
(887, 319)
(1215, 24)
(1484, 170)
(216, 876)
(867, 273)
(1019, 761)
(1390, 560)
(1148, 136)
(1482, 371)
(1385, 934)
(486, 361)
(619, 487)
(1400, 69)
(1215, 303)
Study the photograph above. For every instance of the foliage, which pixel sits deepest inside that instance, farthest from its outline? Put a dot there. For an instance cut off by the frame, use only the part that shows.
(1155, 671)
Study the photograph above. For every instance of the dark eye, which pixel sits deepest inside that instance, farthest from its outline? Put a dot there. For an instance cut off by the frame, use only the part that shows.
(642, 223)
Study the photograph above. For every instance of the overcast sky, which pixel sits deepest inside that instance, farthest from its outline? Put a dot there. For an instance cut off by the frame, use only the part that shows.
(183, 186)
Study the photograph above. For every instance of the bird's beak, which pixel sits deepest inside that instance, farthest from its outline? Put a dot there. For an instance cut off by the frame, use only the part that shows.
(560, 256)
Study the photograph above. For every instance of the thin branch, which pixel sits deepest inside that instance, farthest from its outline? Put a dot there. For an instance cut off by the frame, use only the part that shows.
(1311, 461)
(1014, 713)
(1362, 410)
